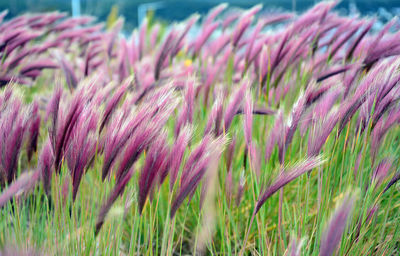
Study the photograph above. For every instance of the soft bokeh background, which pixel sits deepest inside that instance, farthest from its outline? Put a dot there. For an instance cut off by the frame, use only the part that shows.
(173, 10)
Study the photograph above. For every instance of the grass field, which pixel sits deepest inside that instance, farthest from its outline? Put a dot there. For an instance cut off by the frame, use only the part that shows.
(256, 134)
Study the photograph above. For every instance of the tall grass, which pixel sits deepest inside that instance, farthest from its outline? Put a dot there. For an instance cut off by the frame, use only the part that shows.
(258, 134)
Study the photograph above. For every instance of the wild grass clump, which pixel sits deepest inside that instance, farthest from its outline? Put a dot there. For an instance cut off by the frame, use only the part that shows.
(237, 133)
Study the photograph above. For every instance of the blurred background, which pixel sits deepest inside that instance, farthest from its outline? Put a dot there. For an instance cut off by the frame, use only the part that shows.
(174, 10)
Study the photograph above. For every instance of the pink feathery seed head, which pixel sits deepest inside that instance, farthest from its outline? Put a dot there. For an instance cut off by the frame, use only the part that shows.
(7, 95)
(382, 171)
(188, 188)
(190, 98)
(5, 39)
(91, 53)
(135, 141)
(77, 34)
(164, 51)
(350, 51)
(364, 116)
(14, 23)
(38, 65)
(7, 79)
(123, 64)
(264, 64)
(54, 16)
(164, 169)
(213, 13)
(226, 54)
(286, 176)
(197, 171)
(294, 118)
(33, 74)
(12, 129)
(307, 120)
(324, 11)
(248, 118)
(77, 162)
(155, 163)
(181, 38)
(335, 71)
(114, 100)
(392, 181)
(326, 103)
(16, 60)
(70, 23)
(343, 39)
(98, 63)
(280, 52)
(89, 119)
(70, 76)
(256, 51)
(194, 157)
(230, 153)
(388, 47)
(180, 121)
(142, 138)
(298, 49)
(314, 15)
(380, 35)
(279, 93)
(391, 80)
(369, 84)
(260, 25)
(380, 130)
(210, 73)
(21, 41)
(330, 239)
(385, 105)
(45, 165)
(234, 104)
(112, 145)
(243, 23)
(39, 21)
(34, 127)
(81, 148)
(238, 65)
(25, 181)
(204, 36)
(215, 117)
(177, 151)
(230, 17)
(255, 158)
(320, 134)
(218, 45)
(66, 126)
